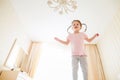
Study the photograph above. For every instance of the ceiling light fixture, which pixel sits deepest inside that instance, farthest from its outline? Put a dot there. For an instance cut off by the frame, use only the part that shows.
(63, 6)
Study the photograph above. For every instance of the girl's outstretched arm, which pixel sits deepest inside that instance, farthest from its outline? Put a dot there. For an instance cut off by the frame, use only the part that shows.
(92, 38)
(61, 41)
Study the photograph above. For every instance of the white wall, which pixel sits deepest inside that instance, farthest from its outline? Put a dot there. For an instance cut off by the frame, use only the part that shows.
(109, 47)
(10, 27)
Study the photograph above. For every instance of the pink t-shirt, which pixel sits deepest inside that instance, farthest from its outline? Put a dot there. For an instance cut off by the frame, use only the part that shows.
(77, 43)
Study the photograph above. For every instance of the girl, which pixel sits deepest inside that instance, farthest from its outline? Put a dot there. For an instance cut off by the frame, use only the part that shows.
(77, 44)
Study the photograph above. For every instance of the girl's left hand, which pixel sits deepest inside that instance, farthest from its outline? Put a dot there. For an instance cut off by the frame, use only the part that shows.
(96, 34)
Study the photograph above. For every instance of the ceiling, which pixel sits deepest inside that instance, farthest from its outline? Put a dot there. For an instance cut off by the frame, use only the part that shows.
(42, 23)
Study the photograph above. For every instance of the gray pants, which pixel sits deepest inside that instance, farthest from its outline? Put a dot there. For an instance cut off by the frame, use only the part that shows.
(83, 63)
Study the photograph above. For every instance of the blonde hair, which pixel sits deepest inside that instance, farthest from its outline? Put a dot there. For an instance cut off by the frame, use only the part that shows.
(80, 25)
(77, 21)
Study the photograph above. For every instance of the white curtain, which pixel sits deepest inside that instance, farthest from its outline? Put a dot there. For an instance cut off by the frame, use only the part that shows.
(94, 61)
(20, 59)
(32, 59)
(95, 70)
(109, 47)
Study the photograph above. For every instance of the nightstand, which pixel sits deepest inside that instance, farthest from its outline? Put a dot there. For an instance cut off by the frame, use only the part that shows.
(13, 75)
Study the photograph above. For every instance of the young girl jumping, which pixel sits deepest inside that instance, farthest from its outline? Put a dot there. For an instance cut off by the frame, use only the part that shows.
(78, 52)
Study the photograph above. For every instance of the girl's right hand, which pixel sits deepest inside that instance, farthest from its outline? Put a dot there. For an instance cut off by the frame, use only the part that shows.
(56, 38)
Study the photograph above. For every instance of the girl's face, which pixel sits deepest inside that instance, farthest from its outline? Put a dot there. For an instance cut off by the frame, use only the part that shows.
(76, 26)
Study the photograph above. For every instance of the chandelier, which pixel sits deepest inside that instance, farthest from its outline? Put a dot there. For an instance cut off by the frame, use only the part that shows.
(63, 6)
